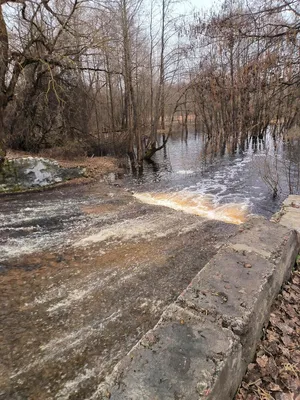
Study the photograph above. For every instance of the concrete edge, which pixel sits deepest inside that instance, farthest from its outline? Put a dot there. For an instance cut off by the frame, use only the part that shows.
(230, 298)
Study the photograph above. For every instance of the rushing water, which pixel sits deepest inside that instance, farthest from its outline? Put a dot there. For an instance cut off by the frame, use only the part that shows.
(183, 177)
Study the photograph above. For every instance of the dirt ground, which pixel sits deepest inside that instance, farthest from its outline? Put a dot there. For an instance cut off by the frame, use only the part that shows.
(85, 271)
(275, 372)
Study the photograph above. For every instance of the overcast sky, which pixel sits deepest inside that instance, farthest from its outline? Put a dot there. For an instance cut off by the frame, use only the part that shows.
(202, 3)
(199, 4)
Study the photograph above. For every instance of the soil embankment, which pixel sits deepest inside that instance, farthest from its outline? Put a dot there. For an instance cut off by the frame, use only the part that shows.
(23, 172)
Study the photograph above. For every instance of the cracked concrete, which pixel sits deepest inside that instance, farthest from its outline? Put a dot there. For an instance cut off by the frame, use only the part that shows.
(203, 343)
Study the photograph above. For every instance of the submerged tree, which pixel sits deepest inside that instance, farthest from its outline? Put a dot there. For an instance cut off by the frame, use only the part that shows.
(247, 65)
(111, 76)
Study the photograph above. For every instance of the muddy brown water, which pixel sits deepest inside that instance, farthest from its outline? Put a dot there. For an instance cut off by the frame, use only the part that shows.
(84, 273)
(189, 166)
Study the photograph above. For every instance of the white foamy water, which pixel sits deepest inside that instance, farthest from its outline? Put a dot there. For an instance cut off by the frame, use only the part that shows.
(225, 185)
(197, 204)
(185, 172)
(43, 225)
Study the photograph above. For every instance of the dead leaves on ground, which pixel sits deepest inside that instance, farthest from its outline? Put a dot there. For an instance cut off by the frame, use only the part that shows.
(275, 372)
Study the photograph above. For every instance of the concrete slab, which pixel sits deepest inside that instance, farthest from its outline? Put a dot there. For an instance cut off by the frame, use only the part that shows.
(228, 286)
(237, 288)
(182, 358)
(273, 241)
(291, 219)
(260, 235)
(228, 303)
(289, 215)
(292, 200)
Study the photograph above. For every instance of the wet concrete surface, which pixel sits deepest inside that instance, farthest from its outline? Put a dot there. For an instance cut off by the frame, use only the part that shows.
(84, 273)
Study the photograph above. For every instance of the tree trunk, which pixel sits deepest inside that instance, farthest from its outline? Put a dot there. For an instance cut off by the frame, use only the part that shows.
(3, 70)
(2, 140)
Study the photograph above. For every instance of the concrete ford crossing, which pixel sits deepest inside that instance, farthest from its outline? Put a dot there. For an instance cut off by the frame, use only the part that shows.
(203, 342)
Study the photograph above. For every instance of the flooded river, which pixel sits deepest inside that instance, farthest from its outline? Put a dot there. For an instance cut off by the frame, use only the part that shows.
(232, 183)
(86, 270)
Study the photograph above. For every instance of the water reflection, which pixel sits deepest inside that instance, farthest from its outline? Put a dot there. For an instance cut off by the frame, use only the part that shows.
(258, 143)
(230, 171)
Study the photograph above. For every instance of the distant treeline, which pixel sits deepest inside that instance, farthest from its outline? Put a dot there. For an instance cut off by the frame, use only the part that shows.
(108, 77)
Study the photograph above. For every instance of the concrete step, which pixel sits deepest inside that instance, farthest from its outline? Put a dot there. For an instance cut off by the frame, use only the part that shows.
(203, 342)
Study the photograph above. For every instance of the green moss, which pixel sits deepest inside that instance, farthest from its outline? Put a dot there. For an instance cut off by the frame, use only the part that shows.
(9, 171)
(16, 188)
(11, 189)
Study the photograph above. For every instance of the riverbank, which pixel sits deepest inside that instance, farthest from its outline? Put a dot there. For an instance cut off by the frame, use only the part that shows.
(25, 172)
(96, 167)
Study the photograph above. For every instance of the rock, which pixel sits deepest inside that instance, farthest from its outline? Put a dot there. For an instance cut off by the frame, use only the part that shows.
(32, 172)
